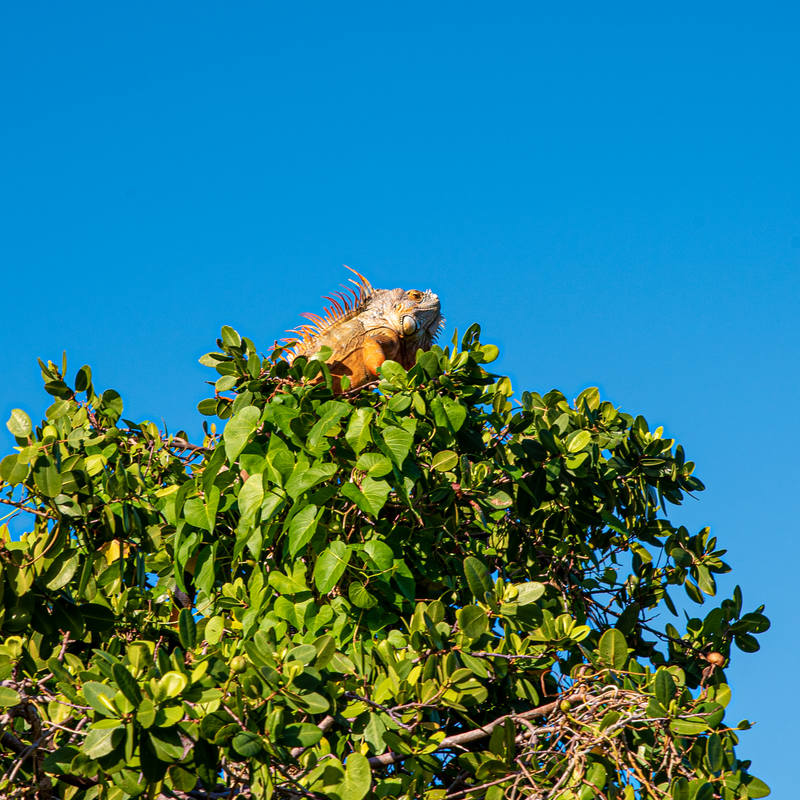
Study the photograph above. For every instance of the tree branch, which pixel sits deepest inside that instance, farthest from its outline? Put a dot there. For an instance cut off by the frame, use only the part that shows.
(475, 734)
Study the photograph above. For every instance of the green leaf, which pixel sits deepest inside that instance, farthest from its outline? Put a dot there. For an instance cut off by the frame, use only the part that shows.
(8, 697)
(360, 597)
(529, 592)
(578, 440)
(230, 337)
(99, 697)
(756, 788)
(247, 744)
(374, 464)
(704, 792)
(251, 495)
(444, 461)
(398, 442)
(331, 565)
(111, 404)
(127, 684)
(302, 734)
(456, 413)
(500, 499)
(664, 686)
(19, 423)
(613, 648)
(47, 479)
(357, 778)
(187, 629)
(380, 553)
(714, 752)
(687, 727)
(371, 497)
(472, 621)
(238, 431)
(101, 740)
(680, 789)
(394, 373)
(477, 577)
(304, 477)
(62, 570)
(302, 528)
(166, 743)
(214, 629)
(358, 434)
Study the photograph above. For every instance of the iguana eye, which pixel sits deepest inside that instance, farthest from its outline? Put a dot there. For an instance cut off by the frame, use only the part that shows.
(409, 325)
(415, 295)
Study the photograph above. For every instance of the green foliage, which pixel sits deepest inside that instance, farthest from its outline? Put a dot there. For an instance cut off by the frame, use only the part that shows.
(422, 591)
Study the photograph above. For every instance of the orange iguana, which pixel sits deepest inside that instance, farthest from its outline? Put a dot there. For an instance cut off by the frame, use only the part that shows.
(368, 328)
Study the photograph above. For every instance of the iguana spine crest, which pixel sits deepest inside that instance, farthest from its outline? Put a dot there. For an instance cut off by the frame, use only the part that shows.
(349, 304)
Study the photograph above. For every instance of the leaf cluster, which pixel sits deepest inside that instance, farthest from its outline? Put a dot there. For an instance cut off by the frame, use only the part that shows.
(423, 590)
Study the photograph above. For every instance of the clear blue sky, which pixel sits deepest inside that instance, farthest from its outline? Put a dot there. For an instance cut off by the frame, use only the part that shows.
(612, 191)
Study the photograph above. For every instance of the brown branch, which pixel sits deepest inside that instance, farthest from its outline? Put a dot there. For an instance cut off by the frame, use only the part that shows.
(22, 507)
(182, 444)
(459, 739)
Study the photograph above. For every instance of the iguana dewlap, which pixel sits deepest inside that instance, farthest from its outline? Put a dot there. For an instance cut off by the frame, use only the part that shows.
(368, 328)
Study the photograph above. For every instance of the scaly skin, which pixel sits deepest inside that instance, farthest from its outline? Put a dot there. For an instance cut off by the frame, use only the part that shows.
(369, 328)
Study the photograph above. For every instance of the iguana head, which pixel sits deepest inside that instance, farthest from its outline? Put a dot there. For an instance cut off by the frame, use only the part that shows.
(415, 316)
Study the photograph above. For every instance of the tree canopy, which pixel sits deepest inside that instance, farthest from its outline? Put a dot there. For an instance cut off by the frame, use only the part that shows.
(424, 589)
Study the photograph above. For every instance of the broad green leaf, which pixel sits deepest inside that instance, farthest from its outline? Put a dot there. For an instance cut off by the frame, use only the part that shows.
(371, 497)
(101, 740)
(8, 697)
(357, 778)
(374, 464)
(456, 413)
(187, 629)
(394, 373)
(477, 577)
(302, 528)
(247, 744)
(380, 553)
(398, 442)
(238, 431)
(613, 648)
(214, 630)
(472, 621)
(664, 686)
(714, 752)
(687, 727)
(47, 479)
(230, 337)
(19, 423)
(251, 495)
(166, 743)
(444, 461)
(358, 434)
(755, 787)
(172, 683)
(62, 570)
(127, 684)
(302, 734)
(360, 596)
(99, 696)
(577, 441)
(304, 477)
(331, 565)
(529, 592)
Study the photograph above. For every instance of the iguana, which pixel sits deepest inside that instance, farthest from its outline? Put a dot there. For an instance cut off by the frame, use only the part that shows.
(368, 326)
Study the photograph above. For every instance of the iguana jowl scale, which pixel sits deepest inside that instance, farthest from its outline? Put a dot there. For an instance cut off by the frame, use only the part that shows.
(369, 327)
